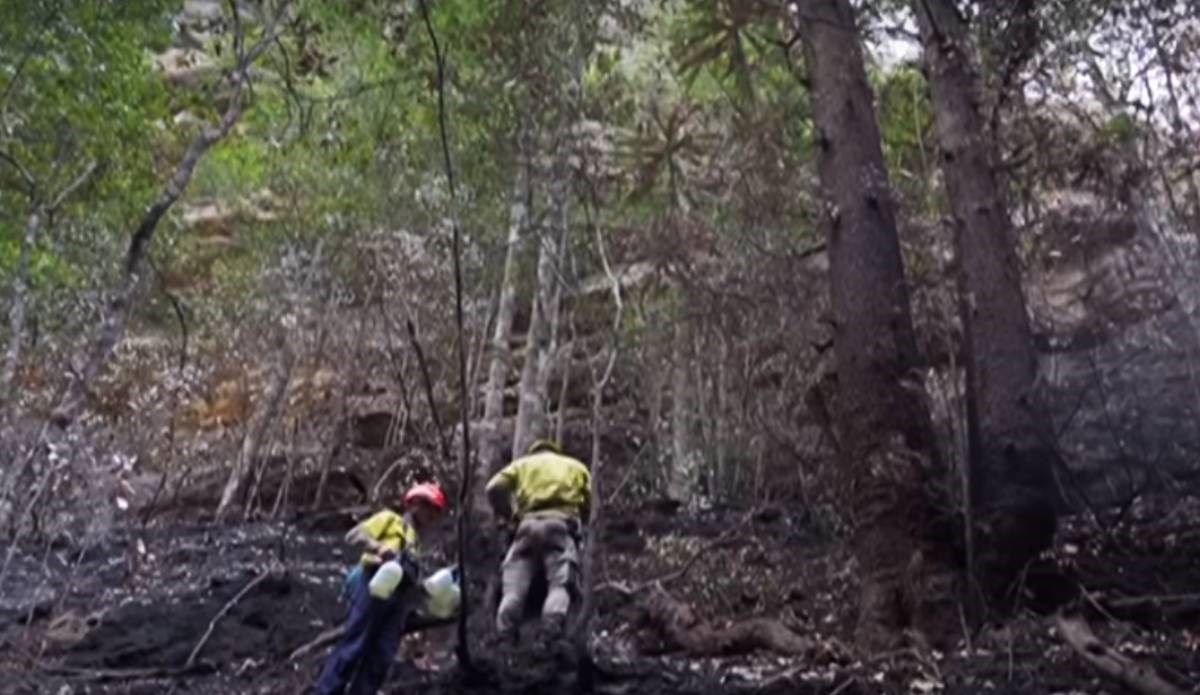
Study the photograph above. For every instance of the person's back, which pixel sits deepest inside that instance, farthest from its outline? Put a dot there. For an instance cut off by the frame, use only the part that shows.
(551, 492)
(549, 481)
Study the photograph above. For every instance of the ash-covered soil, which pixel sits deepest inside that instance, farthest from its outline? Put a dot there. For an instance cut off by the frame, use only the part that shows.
(125, 614)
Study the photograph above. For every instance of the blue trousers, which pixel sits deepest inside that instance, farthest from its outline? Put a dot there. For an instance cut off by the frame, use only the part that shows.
(372, 635)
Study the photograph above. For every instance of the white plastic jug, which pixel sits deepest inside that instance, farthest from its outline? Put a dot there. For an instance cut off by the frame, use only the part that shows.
(444, 593)
(386, 579)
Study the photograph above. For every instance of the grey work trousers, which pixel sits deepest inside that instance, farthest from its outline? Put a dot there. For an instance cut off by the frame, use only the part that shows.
(543, 541)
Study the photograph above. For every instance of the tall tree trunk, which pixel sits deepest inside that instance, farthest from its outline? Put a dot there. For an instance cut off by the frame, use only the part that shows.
(894, 477)
(1010, 452)
(549, 357)
(490, 441)
(681, 478)
(532, 391)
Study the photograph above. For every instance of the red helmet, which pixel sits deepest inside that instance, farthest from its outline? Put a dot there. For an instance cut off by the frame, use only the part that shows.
(428, 492)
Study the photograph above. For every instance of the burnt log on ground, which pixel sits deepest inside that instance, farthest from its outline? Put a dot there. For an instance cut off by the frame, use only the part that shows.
(1135, 675)
(683, 629)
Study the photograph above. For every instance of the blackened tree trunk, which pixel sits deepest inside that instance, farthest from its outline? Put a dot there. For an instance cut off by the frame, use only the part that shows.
(895, 482)
(1011, 453)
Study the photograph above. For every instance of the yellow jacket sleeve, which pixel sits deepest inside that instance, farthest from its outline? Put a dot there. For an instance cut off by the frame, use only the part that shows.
(378, 524)
(507, 478)
(390, 529)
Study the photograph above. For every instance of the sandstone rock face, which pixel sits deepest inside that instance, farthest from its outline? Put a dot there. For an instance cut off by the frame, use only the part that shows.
(1114, 299)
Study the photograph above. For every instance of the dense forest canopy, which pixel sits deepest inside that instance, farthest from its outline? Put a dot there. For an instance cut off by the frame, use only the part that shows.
(924, 274)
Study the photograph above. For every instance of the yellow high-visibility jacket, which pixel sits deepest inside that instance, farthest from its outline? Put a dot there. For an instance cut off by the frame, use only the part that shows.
(545, 481)
(390, 529)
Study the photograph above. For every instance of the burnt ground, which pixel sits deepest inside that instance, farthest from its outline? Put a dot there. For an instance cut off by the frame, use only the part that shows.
(124, 615)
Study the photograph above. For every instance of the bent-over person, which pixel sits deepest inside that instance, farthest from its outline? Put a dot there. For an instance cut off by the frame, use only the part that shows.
(548, 494)
(360, 663)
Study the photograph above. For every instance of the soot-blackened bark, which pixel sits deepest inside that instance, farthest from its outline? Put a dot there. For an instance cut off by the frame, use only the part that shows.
(895, 480)
(1011, 452)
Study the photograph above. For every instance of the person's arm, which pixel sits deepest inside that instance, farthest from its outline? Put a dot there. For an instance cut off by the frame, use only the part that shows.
(499, 492)
(500, 498)
(366, 535)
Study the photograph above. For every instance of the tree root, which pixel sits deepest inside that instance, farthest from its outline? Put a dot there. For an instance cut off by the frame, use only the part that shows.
(1114, 665)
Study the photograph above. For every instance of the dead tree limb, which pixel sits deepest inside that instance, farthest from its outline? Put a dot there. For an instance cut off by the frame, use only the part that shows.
(212, 625)
(683, 629)
(333, 634)
(462, 650)
(327, 637)
(116, 310)
(275, 399)
(26, 176)
(121, 674)
(383, 478)
(1137, 676)
(579, 631)
(281, 375)
(340, 436)
(427, 381)
(1142, 601)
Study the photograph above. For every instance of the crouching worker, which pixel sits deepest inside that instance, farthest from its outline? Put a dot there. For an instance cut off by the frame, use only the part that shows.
(383, 591)
(552, 493)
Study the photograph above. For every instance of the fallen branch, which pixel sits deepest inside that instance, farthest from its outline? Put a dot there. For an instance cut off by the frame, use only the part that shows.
(333, 634)
(325, 638)
(1142, 601)
(677, 574)
(1136, 676)
(683, 629)
(123, 674)
(212, 625)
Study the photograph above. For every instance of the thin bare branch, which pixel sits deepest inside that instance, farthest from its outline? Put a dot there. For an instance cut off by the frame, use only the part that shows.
(427, 381)
(212, 625)
(464, 496)
(70, 189)
(30, 181)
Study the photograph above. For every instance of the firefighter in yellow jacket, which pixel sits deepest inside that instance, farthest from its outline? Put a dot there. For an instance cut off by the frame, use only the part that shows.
(547, 494)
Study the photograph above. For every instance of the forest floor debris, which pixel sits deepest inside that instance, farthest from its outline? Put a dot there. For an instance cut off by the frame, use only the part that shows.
(124, 615)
